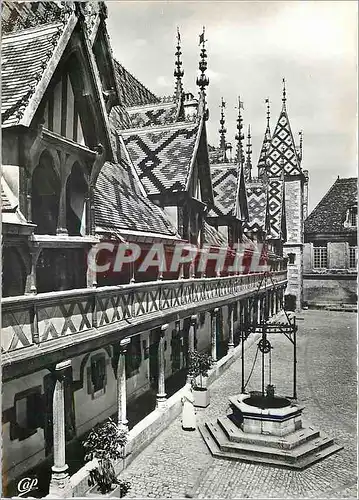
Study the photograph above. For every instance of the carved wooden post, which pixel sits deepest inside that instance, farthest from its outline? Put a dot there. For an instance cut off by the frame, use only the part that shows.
(61, 221)
(231, 327)
(214, 327)
(60, 479)
(121, 386)
(30, 287)
(161, 400)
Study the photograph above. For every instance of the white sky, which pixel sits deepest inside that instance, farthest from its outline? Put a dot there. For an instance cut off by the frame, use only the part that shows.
(251, 47)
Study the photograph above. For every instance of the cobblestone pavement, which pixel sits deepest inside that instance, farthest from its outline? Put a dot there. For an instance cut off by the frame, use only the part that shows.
(178, 464)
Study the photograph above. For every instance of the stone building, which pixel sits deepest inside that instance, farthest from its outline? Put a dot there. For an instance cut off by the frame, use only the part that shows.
(331, 247)
(91, 156)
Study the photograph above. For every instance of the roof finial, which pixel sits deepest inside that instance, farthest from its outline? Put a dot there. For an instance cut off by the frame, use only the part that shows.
(203, 80)
(268, 111)
(300, 145)
(284, 98)
(248, 165)
(178, 72)
(239, 136)
(222, 132)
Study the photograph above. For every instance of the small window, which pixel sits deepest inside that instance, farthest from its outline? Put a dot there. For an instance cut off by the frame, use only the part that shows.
(320, 258)
(291, 258)
(353, 256)
(27, 414)
(97, 375)
(353, 217)
(133, 356)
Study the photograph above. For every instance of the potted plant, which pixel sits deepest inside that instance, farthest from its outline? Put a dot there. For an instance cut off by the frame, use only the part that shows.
(106, 442)
(199, 364)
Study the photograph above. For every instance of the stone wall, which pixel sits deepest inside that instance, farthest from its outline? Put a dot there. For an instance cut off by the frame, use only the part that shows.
(322, 290)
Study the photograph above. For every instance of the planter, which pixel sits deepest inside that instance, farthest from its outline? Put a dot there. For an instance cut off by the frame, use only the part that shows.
(201, 397)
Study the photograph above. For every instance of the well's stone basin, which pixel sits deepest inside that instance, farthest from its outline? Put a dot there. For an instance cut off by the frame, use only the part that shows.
(256, 417)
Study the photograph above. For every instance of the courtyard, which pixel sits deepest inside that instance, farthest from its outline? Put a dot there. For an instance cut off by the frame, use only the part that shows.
(178, 464)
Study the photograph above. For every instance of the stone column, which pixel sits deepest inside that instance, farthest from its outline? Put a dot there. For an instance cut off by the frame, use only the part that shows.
(60, 479)
(30, 287)
(161, 400)
(231, 328)
(91, 275)
(214, 326)
(61, 221)
(192, 333)
(121, 386)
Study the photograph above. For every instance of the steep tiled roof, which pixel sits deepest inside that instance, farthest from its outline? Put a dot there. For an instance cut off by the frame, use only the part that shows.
(5, 202)
(25, 55)
(162, 156)
(155, 114)
(17, 16)
(119, 203)
(275, 207)
(264, 151)
(330, 214)
(224, 181)
(212, 236)
(282, 154)
(132, 92)
(257, 206)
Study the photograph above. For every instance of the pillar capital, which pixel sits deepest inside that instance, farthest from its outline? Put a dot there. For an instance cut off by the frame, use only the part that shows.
(164, 328)
(124, 343)
(194, 319)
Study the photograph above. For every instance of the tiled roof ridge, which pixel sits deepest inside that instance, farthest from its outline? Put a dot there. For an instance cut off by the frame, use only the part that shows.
(28, 31)
(158, 128)
(160, 104)
(137, 80)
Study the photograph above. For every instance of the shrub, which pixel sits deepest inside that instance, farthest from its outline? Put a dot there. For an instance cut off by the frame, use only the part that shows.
(199, 364)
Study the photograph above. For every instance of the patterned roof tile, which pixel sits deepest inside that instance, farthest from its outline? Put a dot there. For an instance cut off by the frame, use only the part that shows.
(330, 214)
(257, 206)
(224, 182)
(212, 236)
(158, 114)
(25, 55)
(262, 161)
(119, 203)
(132, 91)
(162, 156)
(282, 155)
(275, 207)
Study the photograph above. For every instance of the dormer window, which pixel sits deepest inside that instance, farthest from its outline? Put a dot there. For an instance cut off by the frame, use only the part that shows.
(351, 219)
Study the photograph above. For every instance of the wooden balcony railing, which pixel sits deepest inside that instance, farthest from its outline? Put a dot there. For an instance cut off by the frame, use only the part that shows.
(31, 320)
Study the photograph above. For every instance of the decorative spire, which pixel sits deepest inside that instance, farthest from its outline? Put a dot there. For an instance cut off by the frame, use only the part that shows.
(239, 136)
(248, 165)
(262, 161)
(284, 98)
(268, 113)
(202, 80)
(222, 132)
(300, 145)
(178, 72)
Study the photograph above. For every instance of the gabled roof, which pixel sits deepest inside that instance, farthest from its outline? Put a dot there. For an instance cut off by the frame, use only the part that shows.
(132, 91)
(163, 156)
(224, 182)
(330, 214)
(120, 204)
(276, 209)
(257, 206)
(26, 56)
(262, 161)
(282, 155)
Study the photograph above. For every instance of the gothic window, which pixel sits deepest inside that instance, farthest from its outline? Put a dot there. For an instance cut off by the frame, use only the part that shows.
(320, 258)
(133, 356)
(97, 376)
(353, 253)
(27, 414)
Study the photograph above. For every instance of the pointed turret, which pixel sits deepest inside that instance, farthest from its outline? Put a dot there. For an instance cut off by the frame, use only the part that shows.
(202, 80)
(239, 136)
(222, 133)
(282, 156)
(265, 145)
(178, 72)
(248, 164)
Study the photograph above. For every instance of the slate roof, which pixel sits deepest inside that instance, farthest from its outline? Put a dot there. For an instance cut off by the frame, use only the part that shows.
(257, 206)
(224, 182)
(25, 55)
(119, 203)
(330, 213)
(162, 156)
(17, 16)
(131, 91)
(213, 237)
(6, 206)
(282, 155)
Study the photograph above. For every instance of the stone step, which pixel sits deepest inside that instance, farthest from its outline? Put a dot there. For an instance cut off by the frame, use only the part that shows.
(274, 462)
(289, 441)
(287, 455)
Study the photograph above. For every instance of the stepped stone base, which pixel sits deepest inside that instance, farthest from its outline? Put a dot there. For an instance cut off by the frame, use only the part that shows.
(271, 436)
